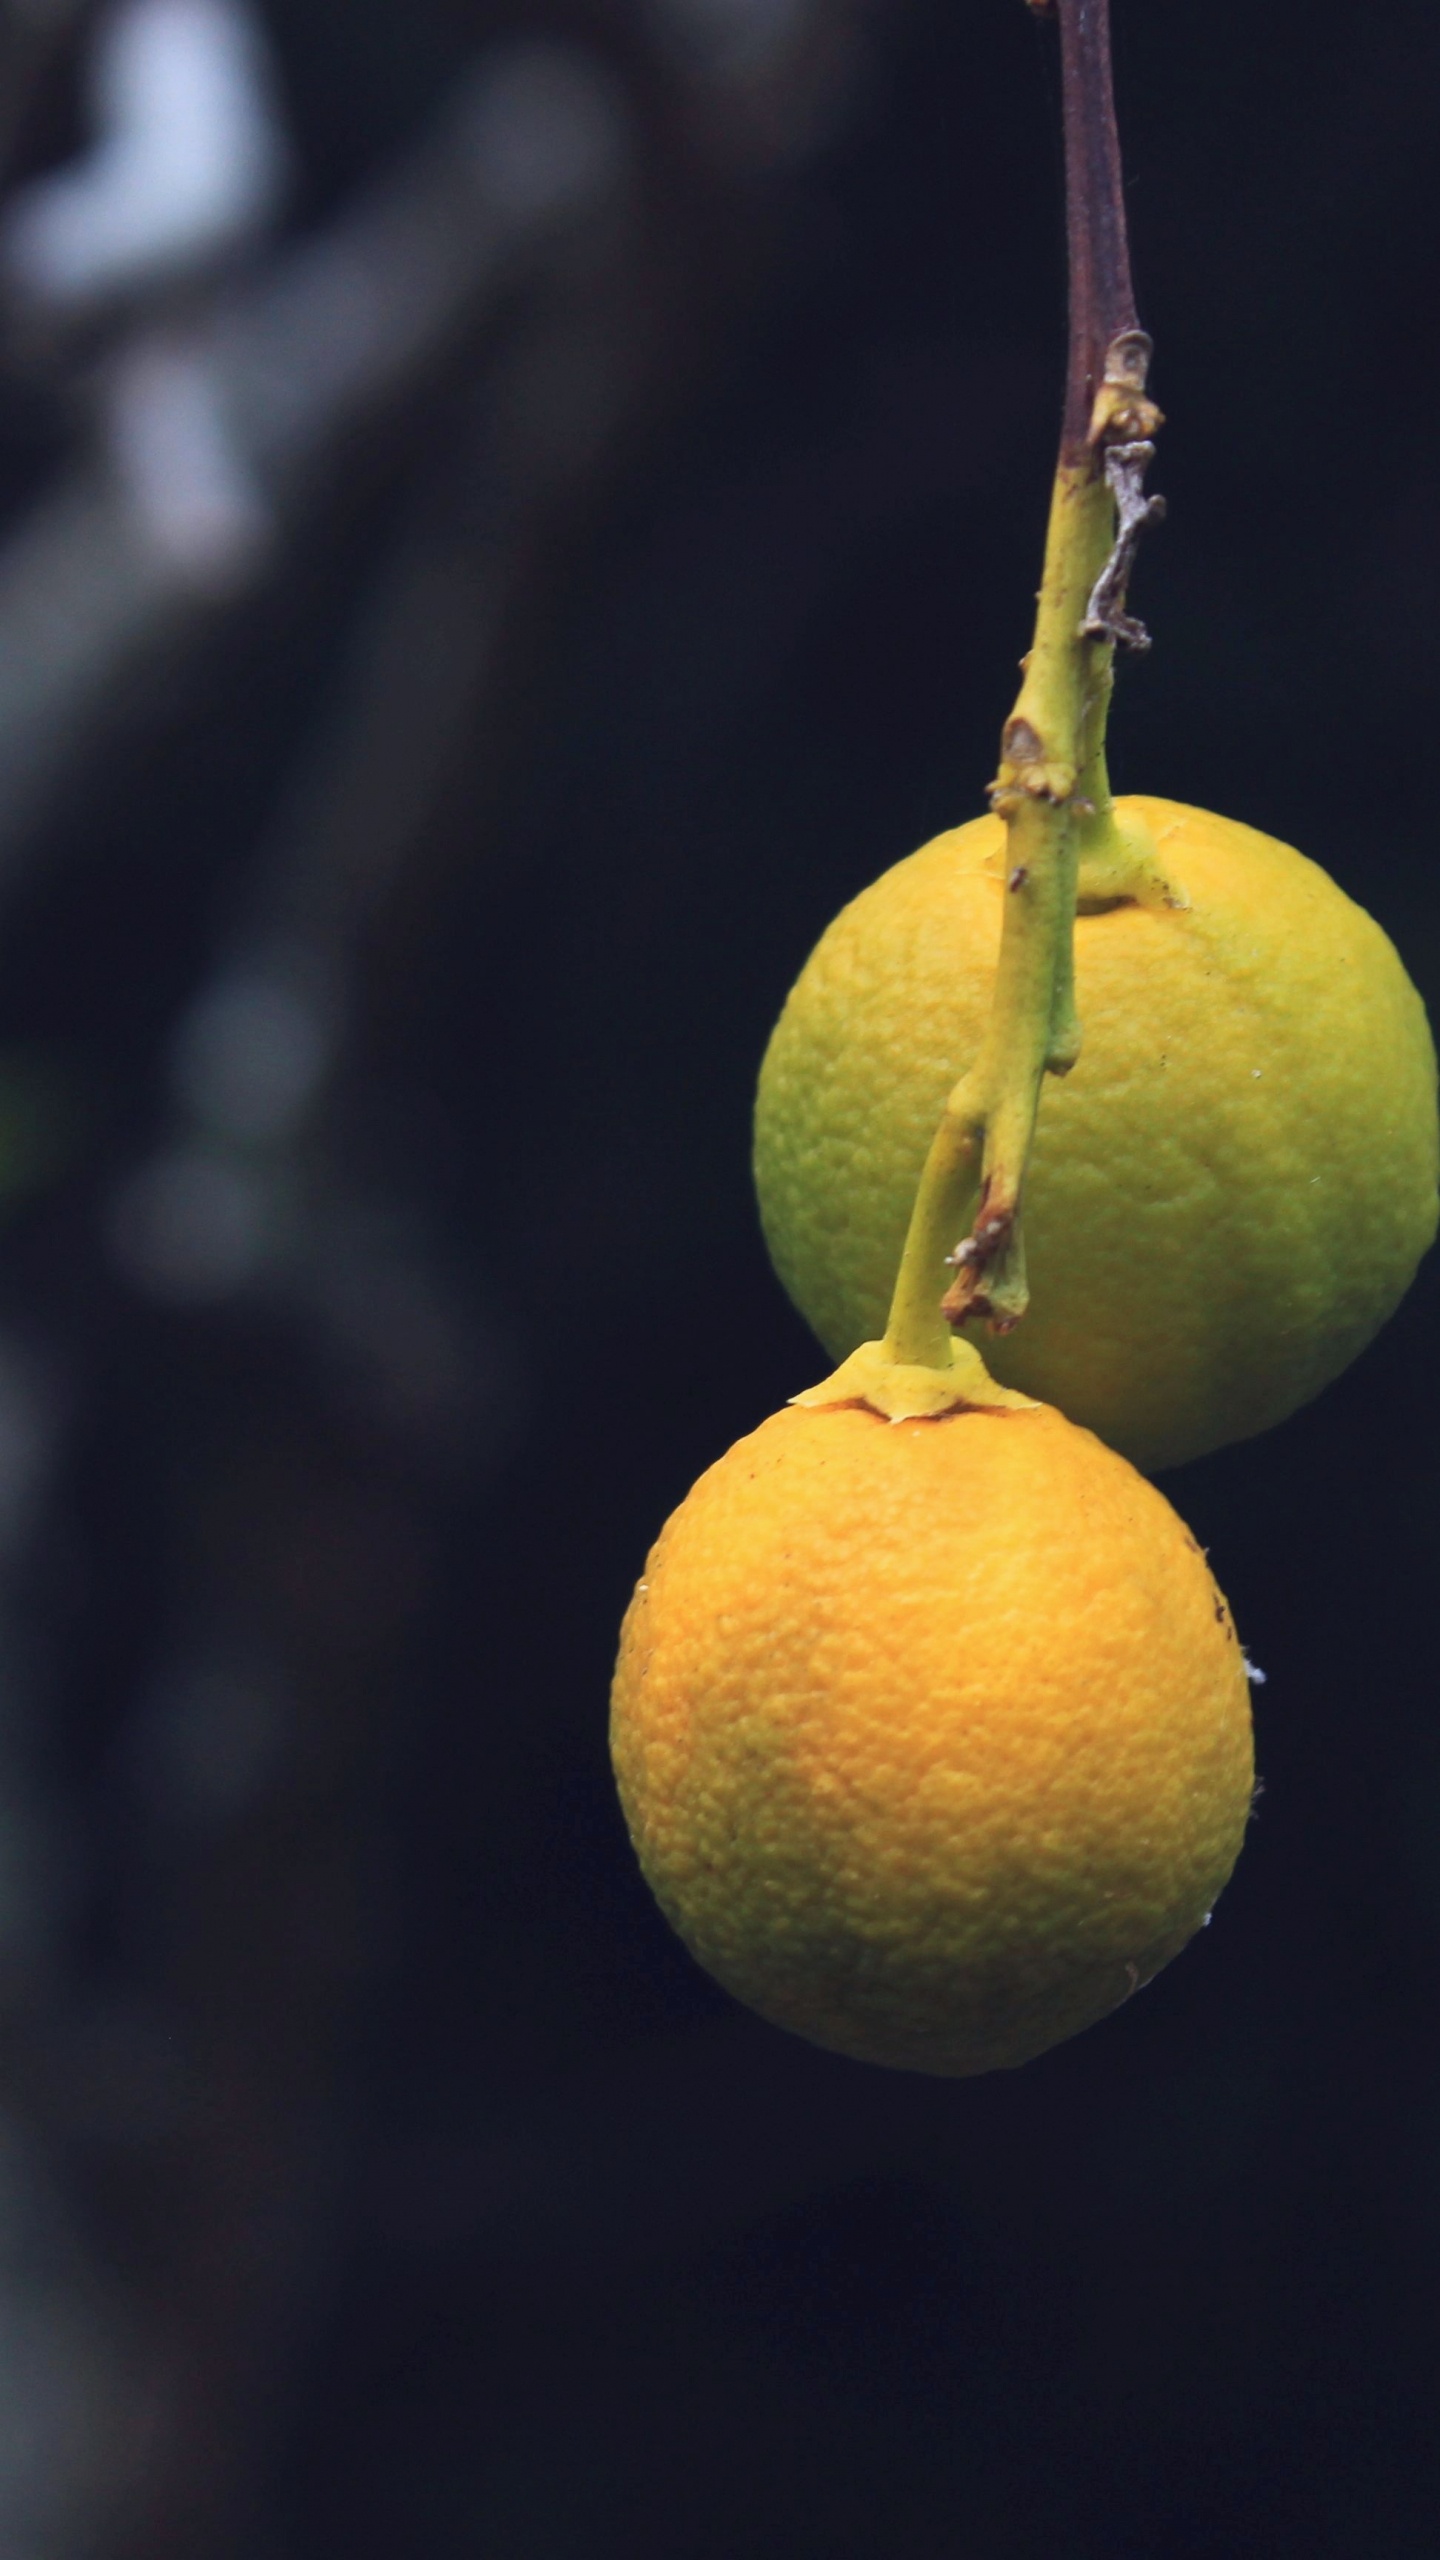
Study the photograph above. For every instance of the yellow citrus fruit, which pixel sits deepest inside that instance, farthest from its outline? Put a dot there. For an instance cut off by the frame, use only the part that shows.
(1229, 1193)
(933, 1737)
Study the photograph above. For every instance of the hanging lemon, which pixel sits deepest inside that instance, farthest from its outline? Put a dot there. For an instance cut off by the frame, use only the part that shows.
(1227, 1194)
(933, 1735)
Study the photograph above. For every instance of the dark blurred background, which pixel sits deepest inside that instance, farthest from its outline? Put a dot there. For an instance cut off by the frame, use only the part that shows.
(508, 516)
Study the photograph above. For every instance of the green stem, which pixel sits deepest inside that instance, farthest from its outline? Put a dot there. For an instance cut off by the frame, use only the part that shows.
(1052, 790)
(984, 1135)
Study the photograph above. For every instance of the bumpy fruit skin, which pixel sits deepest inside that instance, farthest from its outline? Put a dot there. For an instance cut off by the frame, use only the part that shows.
(933, 1737)
(1229, 1193)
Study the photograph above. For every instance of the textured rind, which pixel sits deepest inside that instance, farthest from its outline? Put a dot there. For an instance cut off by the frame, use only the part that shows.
(933, 1737)
(1229, 1193)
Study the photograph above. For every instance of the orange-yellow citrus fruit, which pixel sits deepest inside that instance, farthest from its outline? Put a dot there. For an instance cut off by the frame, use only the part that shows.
(1229, 1193)
(933, 1736)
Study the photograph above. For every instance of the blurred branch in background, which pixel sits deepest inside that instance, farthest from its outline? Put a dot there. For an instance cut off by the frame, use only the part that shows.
(486, 328)
(214, 425)
(185, 167)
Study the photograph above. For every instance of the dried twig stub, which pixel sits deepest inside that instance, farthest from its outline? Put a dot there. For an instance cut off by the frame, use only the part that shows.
(1106, 617)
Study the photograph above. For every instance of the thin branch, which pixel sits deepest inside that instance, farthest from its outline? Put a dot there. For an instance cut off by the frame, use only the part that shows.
(1107, 416)
(1102, 296)
(1053, 738)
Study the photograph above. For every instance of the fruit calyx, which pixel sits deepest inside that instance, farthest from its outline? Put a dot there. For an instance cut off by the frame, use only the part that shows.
(913, 1390)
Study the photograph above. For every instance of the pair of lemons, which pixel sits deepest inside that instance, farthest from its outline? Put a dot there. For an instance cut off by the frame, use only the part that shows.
(933, 1733)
